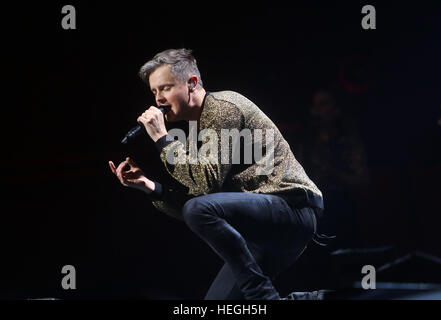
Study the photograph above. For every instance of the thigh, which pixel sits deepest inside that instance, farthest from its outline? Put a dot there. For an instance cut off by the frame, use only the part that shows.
(263, 219)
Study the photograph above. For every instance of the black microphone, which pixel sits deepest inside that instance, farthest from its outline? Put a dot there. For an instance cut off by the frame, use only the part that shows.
(136, 131)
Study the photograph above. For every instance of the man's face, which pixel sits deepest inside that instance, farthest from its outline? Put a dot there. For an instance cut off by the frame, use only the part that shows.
(169, 91)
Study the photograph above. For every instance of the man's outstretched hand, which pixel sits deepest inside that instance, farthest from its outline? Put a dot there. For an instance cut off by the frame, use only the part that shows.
(130, 175)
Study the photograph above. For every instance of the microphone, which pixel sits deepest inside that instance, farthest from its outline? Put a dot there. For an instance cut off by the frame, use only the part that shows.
(136, 131)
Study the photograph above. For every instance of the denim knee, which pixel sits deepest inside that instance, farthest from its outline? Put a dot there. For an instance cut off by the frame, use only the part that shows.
(195, 213)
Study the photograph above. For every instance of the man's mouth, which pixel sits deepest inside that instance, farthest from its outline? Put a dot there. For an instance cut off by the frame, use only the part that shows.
(165, 108)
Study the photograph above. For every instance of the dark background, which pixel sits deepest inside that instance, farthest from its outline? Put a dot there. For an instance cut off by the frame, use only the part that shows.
(71, 95)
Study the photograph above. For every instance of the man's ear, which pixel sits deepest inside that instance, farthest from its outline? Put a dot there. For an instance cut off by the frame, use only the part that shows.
(193, 82)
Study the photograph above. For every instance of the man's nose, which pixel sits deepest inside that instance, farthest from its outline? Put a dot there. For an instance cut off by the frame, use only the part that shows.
(160, 99)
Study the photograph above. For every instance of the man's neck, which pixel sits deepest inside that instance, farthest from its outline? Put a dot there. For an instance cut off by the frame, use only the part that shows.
(198, 100)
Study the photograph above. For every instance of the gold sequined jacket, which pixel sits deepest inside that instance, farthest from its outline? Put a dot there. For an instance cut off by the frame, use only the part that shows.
(276, 171)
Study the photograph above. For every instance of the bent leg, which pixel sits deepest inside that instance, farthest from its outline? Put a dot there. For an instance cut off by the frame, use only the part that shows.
(272, 263)
(222, 220)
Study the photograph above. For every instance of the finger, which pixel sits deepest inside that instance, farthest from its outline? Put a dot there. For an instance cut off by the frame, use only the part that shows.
(147, 116)
(120, 168)
(145, 119)
(151, 112)
(132, 181)
(131, 162)
(154, 109)
(128, 176)
(112, 167)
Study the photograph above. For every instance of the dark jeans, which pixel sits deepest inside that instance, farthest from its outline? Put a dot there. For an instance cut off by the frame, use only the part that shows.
(257, 235)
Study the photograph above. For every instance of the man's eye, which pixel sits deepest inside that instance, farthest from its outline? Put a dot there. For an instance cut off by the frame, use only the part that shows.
(167, 88)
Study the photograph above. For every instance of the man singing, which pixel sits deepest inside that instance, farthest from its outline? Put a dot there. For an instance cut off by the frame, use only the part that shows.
(258, 215)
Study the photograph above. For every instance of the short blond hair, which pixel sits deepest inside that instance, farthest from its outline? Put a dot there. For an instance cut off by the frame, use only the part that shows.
(181, 61)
